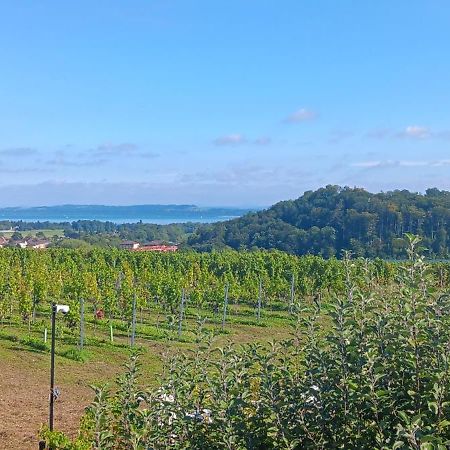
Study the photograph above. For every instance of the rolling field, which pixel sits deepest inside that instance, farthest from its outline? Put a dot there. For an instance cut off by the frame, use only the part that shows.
(48, 233)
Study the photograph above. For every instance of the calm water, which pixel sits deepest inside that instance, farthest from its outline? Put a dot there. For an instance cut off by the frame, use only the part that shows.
(157, 214)
(120, 220)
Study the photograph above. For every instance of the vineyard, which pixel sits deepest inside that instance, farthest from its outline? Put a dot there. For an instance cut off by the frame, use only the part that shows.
(360, 358)
(161, 288)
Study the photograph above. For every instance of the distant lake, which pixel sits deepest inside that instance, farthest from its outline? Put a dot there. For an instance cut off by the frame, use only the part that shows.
(156, 214)
(121, 220)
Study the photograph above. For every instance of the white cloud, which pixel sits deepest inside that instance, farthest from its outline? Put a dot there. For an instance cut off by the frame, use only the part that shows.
(301, 115)
(367, 164)
(247, 174)
(416, 132)
(262, 141)
(125, 149)
(110, 149)
(230, 139)
(18, 151)
(381, 164)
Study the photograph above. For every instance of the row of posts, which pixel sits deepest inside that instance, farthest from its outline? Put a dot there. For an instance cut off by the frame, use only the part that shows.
(181, 313)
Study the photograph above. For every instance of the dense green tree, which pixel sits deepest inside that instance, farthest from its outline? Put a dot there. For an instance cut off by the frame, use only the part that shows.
(332, 219)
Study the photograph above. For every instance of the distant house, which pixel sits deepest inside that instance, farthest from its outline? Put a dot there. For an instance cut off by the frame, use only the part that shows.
(22, 243)
(129, 245)
(157, 248)
(38, 243)
(3, 241)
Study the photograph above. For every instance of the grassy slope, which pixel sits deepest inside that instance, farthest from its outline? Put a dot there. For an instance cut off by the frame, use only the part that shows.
(47, 233)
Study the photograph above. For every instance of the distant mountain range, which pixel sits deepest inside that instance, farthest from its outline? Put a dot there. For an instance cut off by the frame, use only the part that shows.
(122, 214)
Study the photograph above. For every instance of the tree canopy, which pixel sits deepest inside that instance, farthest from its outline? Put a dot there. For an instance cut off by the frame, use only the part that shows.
(332, 219)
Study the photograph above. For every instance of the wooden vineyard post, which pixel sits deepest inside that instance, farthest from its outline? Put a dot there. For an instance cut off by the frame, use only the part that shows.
(81, 323)
(258, 314)
(225, 304)
(111, 335)
(133, 321)
(180, 321)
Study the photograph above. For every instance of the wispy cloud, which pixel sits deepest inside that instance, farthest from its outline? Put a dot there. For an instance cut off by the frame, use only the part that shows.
(415, 132)
(111, 149)
(301, 115)
(337, 136)
(125, 149)
(230, 139)
(379, 133)
(64, 162)
(19, 170)
(247, 174)
(412, 132)
(19, 151)
(381, 164)
(262, 141)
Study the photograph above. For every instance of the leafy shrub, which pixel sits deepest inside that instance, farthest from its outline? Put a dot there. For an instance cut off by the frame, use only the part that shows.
(8, 337)
(37, 344)
(75, 354)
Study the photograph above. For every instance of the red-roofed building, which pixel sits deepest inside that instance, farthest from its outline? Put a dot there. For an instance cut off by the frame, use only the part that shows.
(157, 248)
(129, 245)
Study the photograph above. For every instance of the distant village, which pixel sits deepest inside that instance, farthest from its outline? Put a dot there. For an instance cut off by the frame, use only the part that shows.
(24, 243)
(40, 242)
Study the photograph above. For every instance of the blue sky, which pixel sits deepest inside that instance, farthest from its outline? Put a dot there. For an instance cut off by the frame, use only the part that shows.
(221, 102)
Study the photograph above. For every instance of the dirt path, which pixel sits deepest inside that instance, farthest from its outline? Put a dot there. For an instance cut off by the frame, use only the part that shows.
(24, 391)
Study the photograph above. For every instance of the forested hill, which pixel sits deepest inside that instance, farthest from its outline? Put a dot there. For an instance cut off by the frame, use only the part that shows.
(333, 219)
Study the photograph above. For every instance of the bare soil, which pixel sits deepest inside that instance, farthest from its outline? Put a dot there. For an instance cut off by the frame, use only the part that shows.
(24, 395)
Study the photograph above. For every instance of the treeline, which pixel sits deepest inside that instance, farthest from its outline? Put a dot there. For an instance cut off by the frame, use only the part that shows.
(104, 234)
(109, 234)
(332, 219)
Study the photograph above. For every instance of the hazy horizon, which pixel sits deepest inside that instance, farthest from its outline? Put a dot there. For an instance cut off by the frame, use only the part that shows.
(212, 206)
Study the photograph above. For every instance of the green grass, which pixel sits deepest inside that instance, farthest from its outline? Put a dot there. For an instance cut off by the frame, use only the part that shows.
(154, 335)
(47, 233)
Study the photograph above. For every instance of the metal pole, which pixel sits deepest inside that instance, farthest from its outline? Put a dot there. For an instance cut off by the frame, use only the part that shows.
(180, 322)
(225, 304)
(52, 367)
(133, 321)
(291, 303)
(81, 323)
(259, 299)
